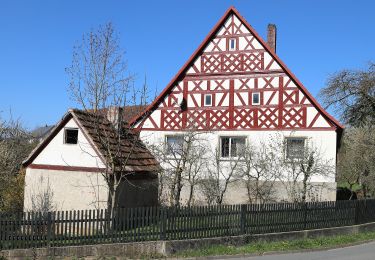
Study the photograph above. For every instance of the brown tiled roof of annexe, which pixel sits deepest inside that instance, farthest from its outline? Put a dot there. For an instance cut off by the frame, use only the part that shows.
(128, 147)
(93, 126)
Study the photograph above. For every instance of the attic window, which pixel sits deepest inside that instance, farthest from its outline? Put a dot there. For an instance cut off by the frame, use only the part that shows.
(208, 100)
(256, 98)
(232, 44)
(71, 136)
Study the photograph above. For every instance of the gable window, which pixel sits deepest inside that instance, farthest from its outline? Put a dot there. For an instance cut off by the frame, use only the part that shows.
(232, 146)
(232, 44)
(174, 145)
(256, 98)
(208, 100)
(295, 147)
(71, 136)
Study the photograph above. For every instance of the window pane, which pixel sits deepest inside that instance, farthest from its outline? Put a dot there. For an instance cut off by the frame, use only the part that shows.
(237, 146)
(225, 147)
(174, 145)
(71, 136)
(256, 98)
(232, 43)
(295, 148)
(208, 100)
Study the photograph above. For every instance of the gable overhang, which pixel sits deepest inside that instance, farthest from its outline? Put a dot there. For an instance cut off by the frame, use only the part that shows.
(233, 11)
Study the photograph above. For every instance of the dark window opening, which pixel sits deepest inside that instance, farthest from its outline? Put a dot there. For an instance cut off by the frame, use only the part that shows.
(71, 136)
(208, 100)
(232, 146)
(256, 98)
(232, 44)
(295, 148)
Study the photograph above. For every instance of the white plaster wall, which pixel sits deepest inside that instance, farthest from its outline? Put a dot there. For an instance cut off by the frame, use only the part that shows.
(58, 153)
(72, 190)
(324, 141)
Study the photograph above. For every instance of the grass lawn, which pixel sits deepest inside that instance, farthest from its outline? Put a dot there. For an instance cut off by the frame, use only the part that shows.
(263, 247)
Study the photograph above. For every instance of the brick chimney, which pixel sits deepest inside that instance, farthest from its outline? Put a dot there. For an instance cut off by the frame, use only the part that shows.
(114, 115)
(271, 36)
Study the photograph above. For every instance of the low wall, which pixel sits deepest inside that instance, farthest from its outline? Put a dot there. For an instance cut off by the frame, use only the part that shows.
(167, 248)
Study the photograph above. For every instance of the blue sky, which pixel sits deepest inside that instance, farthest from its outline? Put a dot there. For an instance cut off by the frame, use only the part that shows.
(315, 39)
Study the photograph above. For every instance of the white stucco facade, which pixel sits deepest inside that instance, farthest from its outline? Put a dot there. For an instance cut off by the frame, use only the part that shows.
(70, 172)
(71, 190)
(323, 141)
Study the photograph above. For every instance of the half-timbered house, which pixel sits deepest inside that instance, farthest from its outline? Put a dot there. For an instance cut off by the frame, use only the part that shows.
(236, 90)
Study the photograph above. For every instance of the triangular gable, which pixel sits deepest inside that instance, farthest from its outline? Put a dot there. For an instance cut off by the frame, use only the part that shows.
(89, 153)
(200, 64)
(55, 131)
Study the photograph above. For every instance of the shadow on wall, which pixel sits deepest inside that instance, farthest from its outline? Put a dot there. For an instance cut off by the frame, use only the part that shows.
(345, 194)
(135, 192)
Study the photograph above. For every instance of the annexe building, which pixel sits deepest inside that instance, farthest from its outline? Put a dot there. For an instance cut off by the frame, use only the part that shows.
(69, 165)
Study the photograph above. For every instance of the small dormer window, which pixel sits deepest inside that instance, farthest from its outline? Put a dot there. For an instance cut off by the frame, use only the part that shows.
(208, 100)
(71, 136)
(232, 44)
(256, 98)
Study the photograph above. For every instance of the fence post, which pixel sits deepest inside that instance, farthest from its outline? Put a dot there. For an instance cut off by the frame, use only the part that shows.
(305, 215)
(243, 218)
(49, 228)
(163, 223)
(356, 216)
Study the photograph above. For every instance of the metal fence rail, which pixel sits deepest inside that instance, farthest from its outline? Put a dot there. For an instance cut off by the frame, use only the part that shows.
(79, 227)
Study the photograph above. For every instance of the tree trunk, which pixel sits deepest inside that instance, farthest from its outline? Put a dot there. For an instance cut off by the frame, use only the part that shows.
(190, 195)
(178, 188)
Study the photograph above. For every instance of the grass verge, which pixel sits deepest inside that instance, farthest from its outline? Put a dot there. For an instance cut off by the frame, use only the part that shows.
(292, 245)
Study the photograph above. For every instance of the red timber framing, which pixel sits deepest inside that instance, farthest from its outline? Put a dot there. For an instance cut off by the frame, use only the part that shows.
(231, 76)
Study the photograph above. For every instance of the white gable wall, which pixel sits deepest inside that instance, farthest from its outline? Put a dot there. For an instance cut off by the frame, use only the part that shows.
(71, 189)
(58, 153)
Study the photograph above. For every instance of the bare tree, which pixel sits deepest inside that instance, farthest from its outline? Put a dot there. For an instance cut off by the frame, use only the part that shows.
(15, 145)
(356, 160)
(183, 159)
(298, 172)
(219, 174)
(102, 86)
(351, 94)
(42, 197)
(260, 169)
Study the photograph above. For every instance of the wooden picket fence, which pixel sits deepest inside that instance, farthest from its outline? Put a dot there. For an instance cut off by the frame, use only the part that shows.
(82, 227)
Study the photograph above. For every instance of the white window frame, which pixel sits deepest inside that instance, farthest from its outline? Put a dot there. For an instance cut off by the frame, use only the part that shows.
(252, 98)
(166, 148)
(65, 135)
(205, 103)
(230, 146)
(230, 44)
(303, 138)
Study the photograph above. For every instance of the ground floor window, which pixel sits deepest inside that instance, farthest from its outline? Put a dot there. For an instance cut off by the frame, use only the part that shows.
(174, 145)
(295, 147)
(232, 146)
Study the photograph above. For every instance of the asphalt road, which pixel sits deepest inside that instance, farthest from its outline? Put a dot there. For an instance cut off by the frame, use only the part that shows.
(359, 252)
